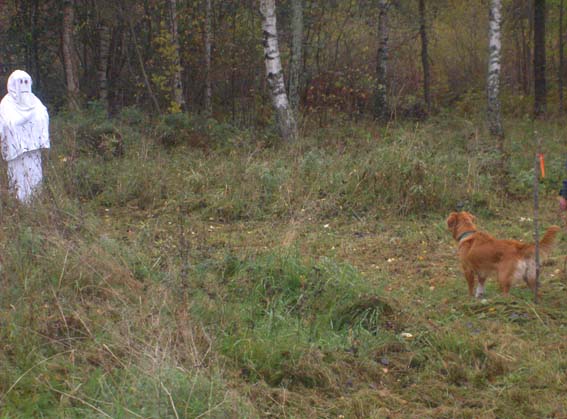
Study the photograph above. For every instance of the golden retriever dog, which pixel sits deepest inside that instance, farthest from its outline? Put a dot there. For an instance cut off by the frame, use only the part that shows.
(481, 254)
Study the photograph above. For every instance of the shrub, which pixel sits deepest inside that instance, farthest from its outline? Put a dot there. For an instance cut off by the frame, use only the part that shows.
(178, 129)
(133, 117)
(103, 139)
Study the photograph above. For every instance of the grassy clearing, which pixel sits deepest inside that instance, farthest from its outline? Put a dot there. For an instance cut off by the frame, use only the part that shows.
(157, 279)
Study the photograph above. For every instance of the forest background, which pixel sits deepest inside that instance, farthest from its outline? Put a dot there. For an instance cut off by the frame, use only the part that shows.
(189, 258)
(128, 54)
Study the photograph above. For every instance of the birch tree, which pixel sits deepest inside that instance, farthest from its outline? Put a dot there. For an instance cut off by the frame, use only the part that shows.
(274, 72)
(494, 58)
(380, 96)
(493, 87)
(68, 50)
(296, 54)
(177, 83)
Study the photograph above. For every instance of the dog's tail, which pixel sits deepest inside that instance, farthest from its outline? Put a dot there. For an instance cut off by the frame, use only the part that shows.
(548, 239)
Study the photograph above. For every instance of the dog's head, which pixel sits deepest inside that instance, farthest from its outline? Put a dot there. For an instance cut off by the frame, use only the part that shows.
(460, 221)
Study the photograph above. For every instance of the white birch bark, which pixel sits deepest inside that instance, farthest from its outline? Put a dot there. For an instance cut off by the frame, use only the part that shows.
(494, 58)
(493, 91)
(208, 43)
(296, 54)
(274, 72)
(177, 83)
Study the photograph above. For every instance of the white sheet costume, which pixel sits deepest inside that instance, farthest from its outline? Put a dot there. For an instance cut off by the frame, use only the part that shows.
(24, 131)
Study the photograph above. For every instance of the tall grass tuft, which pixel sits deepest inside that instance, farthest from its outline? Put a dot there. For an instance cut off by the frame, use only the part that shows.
(281, 310)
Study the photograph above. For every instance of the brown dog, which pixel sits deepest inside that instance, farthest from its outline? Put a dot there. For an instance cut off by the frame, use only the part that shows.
(481, 254)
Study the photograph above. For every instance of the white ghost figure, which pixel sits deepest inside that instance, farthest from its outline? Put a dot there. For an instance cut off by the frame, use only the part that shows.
(24, 131)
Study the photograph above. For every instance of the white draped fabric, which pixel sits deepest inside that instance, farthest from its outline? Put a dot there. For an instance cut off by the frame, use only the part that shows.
(24, 130)
(25, 175)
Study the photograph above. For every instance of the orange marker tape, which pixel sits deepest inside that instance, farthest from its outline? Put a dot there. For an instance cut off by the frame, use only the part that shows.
(541, 164)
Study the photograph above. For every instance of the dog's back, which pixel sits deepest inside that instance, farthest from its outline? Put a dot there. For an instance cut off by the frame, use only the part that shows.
(483, 250)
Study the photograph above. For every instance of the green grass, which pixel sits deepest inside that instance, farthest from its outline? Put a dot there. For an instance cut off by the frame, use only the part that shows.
(214, 274)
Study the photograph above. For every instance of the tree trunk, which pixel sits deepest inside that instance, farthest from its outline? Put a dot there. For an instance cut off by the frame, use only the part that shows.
(274, 73)
(561, 58)
(103, 58)
(116, 60)
(208, 43)
(68, 50)
(424, 57)
(35, 44)
(526, 60)
(380, 96)
(177, 83)
(233, 65)
(296, 54)
(540, 90)
(493, 89)
(494, 57)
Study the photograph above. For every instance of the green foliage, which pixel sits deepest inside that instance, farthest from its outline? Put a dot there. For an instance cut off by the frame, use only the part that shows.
(165, 393)
(166, 66)
(278, 306)
(404, 170)
(86, 179)
(104, 139)
(250, 280)
(193, 130)
(93, 135)
(133, 117)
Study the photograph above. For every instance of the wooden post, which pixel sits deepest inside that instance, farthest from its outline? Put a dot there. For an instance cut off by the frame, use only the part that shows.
(536, 212)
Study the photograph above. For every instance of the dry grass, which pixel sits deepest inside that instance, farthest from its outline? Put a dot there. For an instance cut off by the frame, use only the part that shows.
(278, 298)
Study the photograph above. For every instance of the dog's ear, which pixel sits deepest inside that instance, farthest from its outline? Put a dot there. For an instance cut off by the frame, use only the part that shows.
(452, 219)
(471, 217)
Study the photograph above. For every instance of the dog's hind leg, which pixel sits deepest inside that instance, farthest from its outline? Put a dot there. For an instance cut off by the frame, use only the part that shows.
(529, 275)
(479, 293)
(469, 276)
(505, 278)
